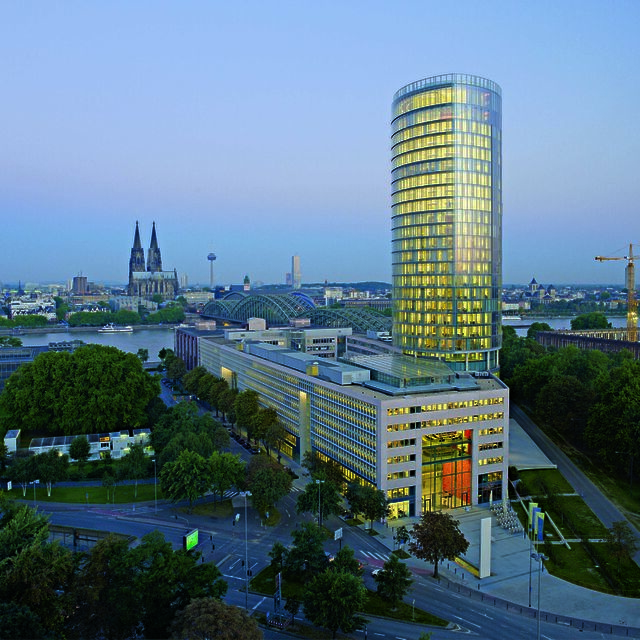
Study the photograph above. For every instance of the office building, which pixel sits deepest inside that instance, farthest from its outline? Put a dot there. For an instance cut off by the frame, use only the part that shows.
(423, 419)
(447, 220)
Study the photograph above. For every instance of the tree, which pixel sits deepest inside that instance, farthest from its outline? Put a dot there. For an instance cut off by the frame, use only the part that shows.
(333, 599)
(186, 479)
(394, 580)
(267, 481)
(374, 505)
(320, 469)
(326, 493)
(402, 536)
(278, 555)
(367, 500)
(594, 320)
(143, 354)
(51, 467)
(107, 584)
(23, 471)
(168, 580)
(226, 470)
(176, 368)
(207, 618)
(94, 389)
(109, 483)
(80, 450)
(536, 327)
(18, 622)
(306, 556)
(10, 341)
(4, 456)
(346, 562)
(437, 537)
(134, 465)
(622, 541)
(246, 408)
(20, 527)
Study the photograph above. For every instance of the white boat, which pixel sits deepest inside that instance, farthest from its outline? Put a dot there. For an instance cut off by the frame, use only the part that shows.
(505, 318)
(114, 328)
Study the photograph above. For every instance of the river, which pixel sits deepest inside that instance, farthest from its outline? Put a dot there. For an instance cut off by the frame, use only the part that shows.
(521, 326)
(151, 339)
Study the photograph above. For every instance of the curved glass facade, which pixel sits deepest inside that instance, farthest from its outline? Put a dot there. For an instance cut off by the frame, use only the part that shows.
(447, 220)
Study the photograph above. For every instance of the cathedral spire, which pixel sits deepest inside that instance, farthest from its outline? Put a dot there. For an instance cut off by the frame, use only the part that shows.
(136, 261)
(136, 238)
(154, 259)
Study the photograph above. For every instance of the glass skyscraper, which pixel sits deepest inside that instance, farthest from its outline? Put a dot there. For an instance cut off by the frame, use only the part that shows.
(447, 220)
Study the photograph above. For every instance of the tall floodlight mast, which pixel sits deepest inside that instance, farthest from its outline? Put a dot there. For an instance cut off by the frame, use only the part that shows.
(211, 258)
(630, 284)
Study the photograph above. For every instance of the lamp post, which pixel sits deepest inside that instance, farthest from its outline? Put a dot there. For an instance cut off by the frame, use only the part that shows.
(539, 558)
(319, 482)
(246, 555)
(155, 484)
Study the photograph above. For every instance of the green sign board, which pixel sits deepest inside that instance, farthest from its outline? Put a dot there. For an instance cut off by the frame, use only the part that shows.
(190, 540)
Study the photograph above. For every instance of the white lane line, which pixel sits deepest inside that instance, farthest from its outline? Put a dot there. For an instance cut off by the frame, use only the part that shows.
(234, 577)
(259, 603)
(467, 622)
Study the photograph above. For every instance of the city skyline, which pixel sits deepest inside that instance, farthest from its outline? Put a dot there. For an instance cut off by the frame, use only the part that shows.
(261, 132)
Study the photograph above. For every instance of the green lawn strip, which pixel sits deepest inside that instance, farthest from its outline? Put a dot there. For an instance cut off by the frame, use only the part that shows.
(607, 575)
(377, 606)
(552, 479)
(264, 583)
(216, 510)
(92, 495)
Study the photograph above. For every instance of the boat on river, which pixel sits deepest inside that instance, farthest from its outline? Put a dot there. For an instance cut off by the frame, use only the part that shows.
(114, 328)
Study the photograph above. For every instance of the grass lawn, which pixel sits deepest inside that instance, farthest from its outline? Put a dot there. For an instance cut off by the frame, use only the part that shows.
(91, 495)
(552, 479)
(215, 510)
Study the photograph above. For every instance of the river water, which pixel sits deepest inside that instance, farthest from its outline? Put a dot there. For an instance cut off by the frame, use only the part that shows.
(156, 339)
(151, 339)
(521, 326)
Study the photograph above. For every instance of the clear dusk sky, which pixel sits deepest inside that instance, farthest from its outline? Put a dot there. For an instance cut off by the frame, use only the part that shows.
(260, 130)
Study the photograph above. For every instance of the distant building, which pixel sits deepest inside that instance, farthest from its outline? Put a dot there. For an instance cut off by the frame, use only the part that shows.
(79, 286)
(296, 275)
(151, 280)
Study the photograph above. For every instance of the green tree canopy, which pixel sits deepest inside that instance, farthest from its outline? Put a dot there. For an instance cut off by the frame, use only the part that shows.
(437, 537)
(306, 556)
(333, 599)
(267, 481)
(80, 449)
(206, 618)
(226, 471)
(594, 320)
(394, 581)
(93, 389)
(323, 494)
(134, 465)
(187, 478)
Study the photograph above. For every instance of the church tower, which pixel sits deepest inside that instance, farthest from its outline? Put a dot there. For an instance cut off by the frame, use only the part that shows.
(154, 259)
(136, 261)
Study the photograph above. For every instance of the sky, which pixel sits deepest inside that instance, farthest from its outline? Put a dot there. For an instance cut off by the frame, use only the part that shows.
(259, 130)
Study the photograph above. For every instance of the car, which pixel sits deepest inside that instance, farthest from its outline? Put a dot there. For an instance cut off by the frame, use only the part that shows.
(376, 572)
(255, 451)
(329, 556)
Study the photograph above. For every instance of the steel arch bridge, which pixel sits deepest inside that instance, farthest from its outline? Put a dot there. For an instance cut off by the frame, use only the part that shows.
(361, 320)
(280, 309)
(275, 309)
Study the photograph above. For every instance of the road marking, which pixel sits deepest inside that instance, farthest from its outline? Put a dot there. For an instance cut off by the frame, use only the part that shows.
(218, 564)
(236, 577)
(467, 622)
(259, 603)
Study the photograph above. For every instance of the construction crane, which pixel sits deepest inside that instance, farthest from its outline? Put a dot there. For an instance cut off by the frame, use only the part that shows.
(630, 283)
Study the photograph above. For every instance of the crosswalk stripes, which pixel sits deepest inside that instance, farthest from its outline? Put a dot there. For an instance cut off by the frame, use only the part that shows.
(373, 554)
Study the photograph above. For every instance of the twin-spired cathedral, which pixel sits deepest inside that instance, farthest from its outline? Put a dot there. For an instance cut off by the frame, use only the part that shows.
(147, 280)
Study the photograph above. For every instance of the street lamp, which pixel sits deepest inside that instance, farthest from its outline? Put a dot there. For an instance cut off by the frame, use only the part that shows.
(540, 558)
(155, 484)
(319, 482)
(246, 555)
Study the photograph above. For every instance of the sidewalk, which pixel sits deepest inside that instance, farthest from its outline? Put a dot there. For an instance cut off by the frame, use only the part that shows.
(509, 580)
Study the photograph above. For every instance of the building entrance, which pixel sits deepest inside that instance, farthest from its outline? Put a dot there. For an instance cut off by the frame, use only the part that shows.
(446, 470)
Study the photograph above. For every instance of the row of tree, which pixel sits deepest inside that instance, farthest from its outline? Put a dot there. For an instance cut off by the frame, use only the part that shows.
(587, 397)
(112, 591)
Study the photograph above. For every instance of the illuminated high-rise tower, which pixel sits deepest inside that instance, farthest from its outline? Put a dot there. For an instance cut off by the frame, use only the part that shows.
(447, 220)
